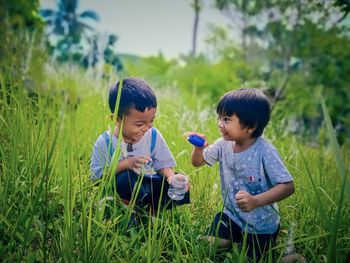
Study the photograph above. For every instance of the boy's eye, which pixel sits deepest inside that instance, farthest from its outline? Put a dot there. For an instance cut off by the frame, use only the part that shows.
(224, 119)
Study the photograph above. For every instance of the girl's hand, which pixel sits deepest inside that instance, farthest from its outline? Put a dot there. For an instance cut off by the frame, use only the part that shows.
(135, 163)
(245, 201)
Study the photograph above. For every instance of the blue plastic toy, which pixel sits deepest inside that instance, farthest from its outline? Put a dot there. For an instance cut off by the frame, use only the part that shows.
(196, 140)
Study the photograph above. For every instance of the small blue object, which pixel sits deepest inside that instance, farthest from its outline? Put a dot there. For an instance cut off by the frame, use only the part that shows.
(196, 140)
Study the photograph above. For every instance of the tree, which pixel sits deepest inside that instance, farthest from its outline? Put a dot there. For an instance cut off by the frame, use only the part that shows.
(20, 31)
(345, 8)
(303, 44)
(196, 5)
(20, 14)
(240, 12)
(67, 26)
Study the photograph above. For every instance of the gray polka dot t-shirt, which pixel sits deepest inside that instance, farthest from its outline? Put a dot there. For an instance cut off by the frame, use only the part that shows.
(254, 170)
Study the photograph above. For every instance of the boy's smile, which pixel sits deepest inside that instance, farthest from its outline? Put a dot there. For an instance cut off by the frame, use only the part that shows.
(231, 129)
(136, 124)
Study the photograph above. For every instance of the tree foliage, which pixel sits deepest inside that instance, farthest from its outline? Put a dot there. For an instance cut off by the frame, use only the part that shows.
(303, 52)
(70, 38)
(20, 30)
(66, 29)
(20, 14)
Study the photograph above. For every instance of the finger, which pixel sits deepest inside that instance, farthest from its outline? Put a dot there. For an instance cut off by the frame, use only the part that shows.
(137, 165)
(143, 161)
(239, 196)
(242, 206)
(239, 202)
(146, 159)
(188, 134)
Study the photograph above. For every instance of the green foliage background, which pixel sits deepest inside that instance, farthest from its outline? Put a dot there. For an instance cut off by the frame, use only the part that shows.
(52, 114)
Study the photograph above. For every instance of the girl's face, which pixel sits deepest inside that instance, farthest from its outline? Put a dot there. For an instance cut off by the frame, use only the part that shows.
(232, 130)
(136, 124)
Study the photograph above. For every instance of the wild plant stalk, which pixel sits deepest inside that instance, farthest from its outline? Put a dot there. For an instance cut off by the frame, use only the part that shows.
(49, 208)
(345, 187)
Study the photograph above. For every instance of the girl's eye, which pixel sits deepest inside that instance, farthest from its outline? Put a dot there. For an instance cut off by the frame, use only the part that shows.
(226, 119)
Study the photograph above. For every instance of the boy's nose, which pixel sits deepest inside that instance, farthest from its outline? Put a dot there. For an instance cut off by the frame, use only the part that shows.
(220, 124)
(147, 127)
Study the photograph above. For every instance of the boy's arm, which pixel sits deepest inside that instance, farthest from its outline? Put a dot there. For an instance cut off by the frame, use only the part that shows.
(122, 166)
(197, 157)
(247, 202)
(167, 172)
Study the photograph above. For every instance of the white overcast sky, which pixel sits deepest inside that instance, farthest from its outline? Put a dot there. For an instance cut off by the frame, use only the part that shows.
(145, 27)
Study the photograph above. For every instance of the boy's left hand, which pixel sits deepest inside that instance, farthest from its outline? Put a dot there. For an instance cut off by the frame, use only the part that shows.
(170, 178)
(245, 201)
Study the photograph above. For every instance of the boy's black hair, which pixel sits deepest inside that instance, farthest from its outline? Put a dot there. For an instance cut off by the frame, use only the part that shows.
(250, 105)
(135, 94)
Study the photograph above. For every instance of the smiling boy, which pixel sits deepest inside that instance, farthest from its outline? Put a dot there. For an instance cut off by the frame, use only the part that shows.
(253, 176)
(143, 148)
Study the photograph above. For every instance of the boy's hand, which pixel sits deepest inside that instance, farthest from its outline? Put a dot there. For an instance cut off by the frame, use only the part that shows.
(188, 134)
(245, 201)
(135, 163)
(170, 178)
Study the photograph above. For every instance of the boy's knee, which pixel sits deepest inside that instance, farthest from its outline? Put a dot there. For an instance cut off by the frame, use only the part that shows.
(125, 182)
(216, 241)
(125, 177)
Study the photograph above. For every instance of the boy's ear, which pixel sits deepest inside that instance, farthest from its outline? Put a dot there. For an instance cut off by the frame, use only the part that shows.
(112, 118)
(250, 130)
(119, 120)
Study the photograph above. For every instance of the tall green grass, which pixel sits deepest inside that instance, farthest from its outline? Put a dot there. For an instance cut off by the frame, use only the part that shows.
(50, 211)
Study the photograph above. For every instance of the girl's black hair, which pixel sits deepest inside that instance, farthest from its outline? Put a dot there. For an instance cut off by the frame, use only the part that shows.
(250, 105)
(135, 94)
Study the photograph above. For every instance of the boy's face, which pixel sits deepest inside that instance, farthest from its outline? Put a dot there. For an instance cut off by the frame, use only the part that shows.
(232, 130)
(136, 124)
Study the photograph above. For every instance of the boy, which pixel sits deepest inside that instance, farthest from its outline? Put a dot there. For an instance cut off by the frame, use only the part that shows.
(143, 148)
(252, 173)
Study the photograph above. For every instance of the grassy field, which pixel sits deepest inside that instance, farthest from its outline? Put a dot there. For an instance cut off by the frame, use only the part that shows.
(50, 209)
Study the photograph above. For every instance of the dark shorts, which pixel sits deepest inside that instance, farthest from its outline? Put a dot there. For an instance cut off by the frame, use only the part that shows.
(151, 192)
(257, 244)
